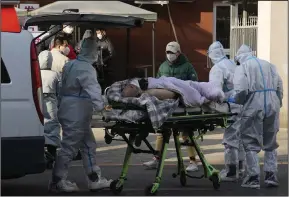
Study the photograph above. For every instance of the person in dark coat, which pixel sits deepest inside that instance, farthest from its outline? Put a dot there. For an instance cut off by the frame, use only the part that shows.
(105, 55)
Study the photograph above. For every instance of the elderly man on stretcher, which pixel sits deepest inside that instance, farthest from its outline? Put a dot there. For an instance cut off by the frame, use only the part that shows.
(159, 101)
(193, 94)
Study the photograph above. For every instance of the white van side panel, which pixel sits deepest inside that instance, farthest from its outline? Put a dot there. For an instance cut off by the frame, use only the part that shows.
(19, 117)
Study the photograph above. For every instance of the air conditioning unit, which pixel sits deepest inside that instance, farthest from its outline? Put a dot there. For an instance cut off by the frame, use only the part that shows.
(152, 2)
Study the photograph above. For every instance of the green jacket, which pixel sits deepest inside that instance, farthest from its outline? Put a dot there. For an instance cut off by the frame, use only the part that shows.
(181, 69)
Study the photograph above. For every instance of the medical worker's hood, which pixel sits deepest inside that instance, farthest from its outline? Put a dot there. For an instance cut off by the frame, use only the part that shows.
(243, 54)
(88, 50)
(87, 34)
(216, 52)
(45, 60)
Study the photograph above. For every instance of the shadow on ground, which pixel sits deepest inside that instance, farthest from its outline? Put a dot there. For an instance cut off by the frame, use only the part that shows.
(138, 179)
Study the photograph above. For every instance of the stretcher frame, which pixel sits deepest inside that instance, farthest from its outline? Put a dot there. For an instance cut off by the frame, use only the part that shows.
(138, 132)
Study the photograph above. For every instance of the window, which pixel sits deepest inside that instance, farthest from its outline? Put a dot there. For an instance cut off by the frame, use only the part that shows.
(252, 9)
(5, 78)
(223, 25)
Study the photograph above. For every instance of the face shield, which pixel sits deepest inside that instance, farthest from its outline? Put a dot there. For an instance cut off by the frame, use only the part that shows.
(236, 61)
(209, 61)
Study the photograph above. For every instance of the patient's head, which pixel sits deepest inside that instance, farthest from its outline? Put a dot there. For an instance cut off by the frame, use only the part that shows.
(132, 89)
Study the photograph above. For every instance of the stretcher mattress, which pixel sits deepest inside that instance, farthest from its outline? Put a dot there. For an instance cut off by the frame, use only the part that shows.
(206, 108)
(212, 108)
(192, 118)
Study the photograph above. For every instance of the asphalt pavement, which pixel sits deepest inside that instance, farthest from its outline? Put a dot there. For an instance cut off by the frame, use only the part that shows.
(111, 157)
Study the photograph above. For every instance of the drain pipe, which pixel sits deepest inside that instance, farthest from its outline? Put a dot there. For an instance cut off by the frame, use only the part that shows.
(172, 24)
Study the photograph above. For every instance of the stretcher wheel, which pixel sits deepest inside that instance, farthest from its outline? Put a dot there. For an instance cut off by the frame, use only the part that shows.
(107, 139)
(114, 189)
(216, 182)
(137, 141)
(211, 127)
(183, 178)
(174, 175)
(148, 191)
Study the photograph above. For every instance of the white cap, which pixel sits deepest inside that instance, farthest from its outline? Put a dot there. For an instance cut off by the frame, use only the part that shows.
(135, 83)
(173, 47)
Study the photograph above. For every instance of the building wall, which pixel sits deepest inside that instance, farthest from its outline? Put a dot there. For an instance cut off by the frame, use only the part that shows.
(40, 2)
(273, 43)
(194, 26)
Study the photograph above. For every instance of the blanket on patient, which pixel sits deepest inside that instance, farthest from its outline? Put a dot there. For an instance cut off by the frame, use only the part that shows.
(157, 111)
(192, 93)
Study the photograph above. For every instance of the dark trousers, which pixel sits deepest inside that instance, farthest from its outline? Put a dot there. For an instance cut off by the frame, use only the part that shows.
(104, 75)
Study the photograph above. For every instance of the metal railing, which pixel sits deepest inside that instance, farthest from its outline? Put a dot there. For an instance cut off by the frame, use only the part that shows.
(243, 32)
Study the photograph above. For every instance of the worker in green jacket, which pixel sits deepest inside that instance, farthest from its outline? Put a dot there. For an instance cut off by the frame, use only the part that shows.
(176, 65)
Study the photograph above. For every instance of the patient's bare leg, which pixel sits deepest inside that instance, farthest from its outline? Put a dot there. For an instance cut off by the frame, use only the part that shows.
(161, 94)
(153, 164)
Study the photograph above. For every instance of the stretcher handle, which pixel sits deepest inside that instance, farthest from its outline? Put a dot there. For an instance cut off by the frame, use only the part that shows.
(199, 117)
(229, 106)
(126, 106)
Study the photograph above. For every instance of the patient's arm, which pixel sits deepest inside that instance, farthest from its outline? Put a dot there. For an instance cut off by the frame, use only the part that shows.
(161, 94)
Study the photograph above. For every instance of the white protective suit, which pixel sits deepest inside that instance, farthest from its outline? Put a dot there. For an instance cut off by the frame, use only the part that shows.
(50, 82)
(87, 34)
(80, 97)
(222, 75)
(59, 60)
(259, 88)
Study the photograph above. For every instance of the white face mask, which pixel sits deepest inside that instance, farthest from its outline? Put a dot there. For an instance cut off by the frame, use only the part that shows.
(99, 36)
(66, 51)
(171, 57)
(68, 29)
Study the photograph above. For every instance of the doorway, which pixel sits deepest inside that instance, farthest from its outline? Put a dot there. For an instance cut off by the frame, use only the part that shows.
(222, 15)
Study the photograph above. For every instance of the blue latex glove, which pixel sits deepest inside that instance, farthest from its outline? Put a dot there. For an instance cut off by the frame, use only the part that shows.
(231, 100)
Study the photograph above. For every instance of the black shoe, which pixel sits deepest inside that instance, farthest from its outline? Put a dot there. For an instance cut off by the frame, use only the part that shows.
(78, 156)
(232, 170)
(49, 160)
(229, 174)
(271, 179)
(241, 170)
(51, 150)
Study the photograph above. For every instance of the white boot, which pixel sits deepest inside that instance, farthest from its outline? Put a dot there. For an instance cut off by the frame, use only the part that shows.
(153, 164)
(102, 183)
(252, 182)
(227, 176)
(192, 167)
(63, 186)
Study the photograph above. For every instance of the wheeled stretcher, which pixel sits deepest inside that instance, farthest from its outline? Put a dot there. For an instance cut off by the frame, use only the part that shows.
(194, 121)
